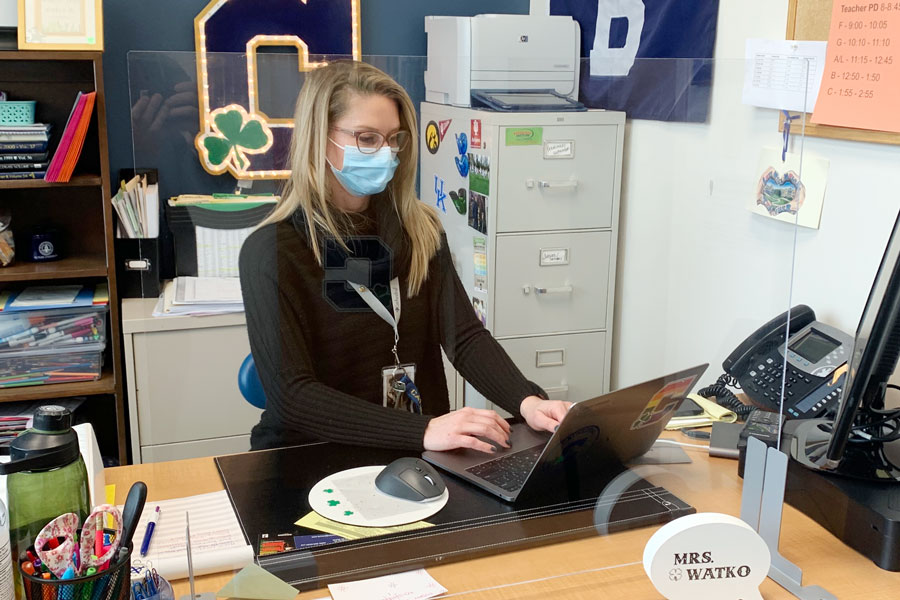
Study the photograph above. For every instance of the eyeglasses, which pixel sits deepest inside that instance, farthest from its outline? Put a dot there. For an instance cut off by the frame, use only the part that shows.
(370, 142)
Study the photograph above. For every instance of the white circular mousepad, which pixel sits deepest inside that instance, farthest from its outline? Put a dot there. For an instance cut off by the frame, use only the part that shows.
(351, 497)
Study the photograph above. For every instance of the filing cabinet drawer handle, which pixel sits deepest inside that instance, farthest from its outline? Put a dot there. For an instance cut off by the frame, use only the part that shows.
(571, 184)
(558, 393)
(565, 289)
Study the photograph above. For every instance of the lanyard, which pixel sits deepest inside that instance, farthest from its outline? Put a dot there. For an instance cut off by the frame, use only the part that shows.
(376, 305)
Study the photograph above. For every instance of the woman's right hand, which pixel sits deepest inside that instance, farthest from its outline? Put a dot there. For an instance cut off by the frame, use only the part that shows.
(462, 428)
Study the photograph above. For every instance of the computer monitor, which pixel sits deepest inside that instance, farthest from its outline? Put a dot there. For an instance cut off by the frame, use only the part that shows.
(862, 426)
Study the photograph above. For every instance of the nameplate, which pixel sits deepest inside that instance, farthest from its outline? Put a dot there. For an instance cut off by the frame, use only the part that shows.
(707, 556)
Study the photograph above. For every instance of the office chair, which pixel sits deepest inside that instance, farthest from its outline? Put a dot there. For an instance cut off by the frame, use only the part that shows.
(249, 383)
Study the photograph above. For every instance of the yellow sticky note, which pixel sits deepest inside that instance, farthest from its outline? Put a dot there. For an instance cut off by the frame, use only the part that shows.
(110, 499)
(314, 520)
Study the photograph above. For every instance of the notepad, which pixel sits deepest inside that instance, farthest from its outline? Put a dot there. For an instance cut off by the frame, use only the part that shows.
(217, 542)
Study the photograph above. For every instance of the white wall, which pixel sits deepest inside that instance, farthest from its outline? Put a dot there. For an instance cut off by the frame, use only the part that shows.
(698, 271)
(8, 13)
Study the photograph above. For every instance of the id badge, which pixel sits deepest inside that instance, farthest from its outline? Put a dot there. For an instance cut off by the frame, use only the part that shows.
(394, 389)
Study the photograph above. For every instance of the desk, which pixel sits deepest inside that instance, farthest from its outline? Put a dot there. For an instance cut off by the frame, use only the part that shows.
(824, 559)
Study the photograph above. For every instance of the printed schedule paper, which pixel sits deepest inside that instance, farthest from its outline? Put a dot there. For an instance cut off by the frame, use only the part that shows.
(783, 74)
(861, 83)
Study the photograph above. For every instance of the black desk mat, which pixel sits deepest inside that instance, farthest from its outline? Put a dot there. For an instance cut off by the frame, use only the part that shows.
(269, 491)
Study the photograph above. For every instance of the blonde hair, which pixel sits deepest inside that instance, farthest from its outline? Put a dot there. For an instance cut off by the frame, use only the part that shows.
(323, 100)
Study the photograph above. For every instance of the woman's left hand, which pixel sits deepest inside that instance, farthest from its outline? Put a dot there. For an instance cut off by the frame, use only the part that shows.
(543, 415)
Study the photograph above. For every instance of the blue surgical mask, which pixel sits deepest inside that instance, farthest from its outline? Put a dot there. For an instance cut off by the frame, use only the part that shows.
(365, 174)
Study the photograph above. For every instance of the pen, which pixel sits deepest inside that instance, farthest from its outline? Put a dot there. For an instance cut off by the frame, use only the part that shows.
(148, 535)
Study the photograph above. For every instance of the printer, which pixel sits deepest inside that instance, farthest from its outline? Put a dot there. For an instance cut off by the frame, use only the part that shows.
(500, 53)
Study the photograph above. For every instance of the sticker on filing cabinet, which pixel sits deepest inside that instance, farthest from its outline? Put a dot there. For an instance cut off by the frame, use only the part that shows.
(432, 137)
(559, 149)
(663, 403)
(551, 257)
(459, 200)
(477, 212)
(475, 134)
(480, 307)
(462, 161)
(479, 256)
(480, 173)
(524, 136)
(439, 194)
(443, 126)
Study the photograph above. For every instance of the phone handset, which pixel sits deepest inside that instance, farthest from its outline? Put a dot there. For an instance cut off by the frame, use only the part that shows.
(765, 339)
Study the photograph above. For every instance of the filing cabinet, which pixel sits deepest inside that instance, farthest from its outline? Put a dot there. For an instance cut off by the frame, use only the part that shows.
(182, 403)
(530, 205)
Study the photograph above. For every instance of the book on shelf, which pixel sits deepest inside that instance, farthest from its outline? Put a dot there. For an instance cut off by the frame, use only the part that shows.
(38, 132)
(9, 175)
(24, 166)
(69, 150)
(50, 297)
(19, 147)
(24, 157)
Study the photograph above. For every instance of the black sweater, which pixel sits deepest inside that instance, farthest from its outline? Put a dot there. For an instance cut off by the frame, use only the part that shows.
(320, 351)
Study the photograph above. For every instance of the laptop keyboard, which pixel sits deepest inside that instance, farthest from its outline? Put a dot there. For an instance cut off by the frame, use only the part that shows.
(508, 472)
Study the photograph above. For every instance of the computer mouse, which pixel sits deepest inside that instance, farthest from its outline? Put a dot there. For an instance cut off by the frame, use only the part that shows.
(410, 479)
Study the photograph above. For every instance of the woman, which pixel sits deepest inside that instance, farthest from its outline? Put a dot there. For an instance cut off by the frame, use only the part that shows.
(330, 359)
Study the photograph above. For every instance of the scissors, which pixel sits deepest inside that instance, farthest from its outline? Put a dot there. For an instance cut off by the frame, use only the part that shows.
(61, 556)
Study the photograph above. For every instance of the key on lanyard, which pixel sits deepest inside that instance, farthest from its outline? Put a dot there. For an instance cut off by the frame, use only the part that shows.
(412, 392)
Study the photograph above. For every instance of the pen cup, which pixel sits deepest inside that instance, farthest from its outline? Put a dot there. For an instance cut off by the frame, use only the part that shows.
(113, 583)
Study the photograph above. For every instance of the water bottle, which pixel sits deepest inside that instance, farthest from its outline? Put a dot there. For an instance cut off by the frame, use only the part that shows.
(46, 478)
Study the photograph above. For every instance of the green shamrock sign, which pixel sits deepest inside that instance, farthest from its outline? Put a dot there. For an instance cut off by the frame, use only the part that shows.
(347, 513)
(234, 135)
(328, 490)
(333, 502)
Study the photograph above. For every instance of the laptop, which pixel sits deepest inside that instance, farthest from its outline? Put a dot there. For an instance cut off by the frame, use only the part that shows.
(596, 436)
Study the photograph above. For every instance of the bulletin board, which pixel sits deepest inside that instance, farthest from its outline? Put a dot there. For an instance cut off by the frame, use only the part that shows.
(811, 20)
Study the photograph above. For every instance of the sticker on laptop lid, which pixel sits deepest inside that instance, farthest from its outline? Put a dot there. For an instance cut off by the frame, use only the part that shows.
(663, 403)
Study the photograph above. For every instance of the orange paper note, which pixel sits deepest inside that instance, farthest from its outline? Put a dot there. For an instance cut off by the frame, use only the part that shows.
(861, 83)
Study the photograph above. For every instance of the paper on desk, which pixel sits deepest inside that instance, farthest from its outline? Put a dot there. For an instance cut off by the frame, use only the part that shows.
(217, 542)
(413, 585)
(255, 583)
(313, 520)
(166, 306)
(783, 74)
(208, 290)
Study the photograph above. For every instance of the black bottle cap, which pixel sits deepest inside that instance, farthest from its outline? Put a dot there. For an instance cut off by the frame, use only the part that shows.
(52, 418)
(50, 443)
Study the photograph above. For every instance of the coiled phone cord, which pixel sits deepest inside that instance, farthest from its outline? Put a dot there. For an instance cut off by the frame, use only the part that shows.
(725, 397)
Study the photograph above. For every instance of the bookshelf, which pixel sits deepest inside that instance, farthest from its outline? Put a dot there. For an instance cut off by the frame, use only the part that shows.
(36, 184)
(78, 210)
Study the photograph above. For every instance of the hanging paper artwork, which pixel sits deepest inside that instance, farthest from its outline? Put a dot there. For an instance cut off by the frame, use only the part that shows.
(236, 133)
(790, 190)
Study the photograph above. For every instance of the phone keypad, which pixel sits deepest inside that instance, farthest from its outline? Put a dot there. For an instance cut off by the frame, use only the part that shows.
(766, 381)
(805, 395)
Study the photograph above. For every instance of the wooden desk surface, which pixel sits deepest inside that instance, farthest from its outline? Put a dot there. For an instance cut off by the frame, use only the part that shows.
(710, 484)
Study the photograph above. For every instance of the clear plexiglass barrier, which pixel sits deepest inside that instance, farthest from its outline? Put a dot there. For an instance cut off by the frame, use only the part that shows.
(617, 263)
